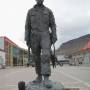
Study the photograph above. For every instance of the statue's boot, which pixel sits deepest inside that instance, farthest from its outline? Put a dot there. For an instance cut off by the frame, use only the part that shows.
(38, 79)
(47, 82)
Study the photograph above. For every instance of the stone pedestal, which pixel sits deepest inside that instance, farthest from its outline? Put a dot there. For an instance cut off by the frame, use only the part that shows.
(40, 86)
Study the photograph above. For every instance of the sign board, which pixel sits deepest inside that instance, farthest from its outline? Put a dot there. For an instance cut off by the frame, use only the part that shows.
(1, 43)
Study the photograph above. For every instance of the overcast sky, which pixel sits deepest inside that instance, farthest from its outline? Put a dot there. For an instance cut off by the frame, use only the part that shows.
(72, 18)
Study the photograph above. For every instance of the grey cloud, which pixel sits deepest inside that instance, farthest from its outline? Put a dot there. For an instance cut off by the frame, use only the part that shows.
(72, 17)
(73, 20)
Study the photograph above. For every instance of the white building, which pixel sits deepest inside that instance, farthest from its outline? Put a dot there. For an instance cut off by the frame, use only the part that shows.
(83, 55)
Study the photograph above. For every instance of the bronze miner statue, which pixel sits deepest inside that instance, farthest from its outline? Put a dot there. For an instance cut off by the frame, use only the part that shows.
(40, 24)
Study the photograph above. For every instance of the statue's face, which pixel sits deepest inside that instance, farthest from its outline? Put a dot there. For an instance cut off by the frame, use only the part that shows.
(40, 1)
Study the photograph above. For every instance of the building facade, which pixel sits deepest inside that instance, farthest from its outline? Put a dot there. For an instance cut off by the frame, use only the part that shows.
(77, 50)
(11, 53)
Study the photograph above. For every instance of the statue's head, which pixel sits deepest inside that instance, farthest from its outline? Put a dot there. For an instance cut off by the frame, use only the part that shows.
(40, 2)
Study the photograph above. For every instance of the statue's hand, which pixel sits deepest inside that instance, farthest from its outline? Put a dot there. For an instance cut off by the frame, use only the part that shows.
(54, 39)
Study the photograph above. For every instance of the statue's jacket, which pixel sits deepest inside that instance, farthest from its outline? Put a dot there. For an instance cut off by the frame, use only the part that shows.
(39, 19)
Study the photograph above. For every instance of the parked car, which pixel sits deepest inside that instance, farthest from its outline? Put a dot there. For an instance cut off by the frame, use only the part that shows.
(64, 62)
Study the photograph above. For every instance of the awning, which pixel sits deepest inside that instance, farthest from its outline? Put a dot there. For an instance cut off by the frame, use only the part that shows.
(86, 47)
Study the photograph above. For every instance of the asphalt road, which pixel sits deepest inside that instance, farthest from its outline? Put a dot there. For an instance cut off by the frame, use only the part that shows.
(69, 76)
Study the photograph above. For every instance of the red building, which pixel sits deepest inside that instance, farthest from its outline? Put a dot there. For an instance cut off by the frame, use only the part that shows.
(14, 55)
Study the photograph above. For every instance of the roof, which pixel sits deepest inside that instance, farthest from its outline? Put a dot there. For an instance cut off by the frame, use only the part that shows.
(9, 41)
(74, 45)
(15, 42)
(86, 47)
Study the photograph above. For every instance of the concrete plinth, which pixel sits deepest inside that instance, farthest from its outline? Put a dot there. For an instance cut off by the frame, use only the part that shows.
(32, 86)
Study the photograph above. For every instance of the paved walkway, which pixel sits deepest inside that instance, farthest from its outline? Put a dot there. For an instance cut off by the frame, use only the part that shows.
(69, 76)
